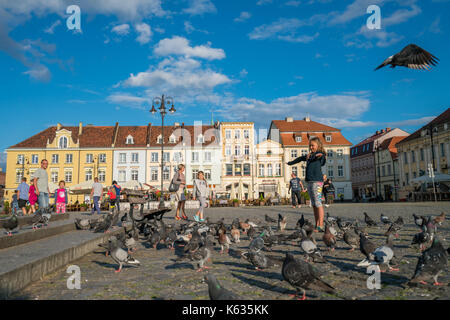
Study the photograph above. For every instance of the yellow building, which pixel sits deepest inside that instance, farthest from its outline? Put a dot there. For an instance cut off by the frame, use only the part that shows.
(74, 154)
(430, 145)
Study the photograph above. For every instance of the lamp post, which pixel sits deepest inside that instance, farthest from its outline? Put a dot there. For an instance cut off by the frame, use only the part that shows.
(161, 104)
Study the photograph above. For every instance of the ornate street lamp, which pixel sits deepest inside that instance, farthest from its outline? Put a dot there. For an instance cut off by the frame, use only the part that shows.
(161, 105)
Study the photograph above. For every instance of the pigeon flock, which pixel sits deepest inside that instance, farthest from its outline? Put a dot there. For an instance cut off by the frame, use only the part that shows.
(39, 219)
(196, 243)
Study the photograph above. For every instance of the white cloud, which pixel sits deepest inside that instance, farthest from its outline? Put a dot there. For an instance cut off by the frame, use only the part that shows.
(400, 16)
(51, 29)
(180, 46)
(122, 29)
(243, 73)
(145, 33)
(293, 3)
(263, 2)
(244, 16)
(124, 98)
(411, 122)
(199, 7)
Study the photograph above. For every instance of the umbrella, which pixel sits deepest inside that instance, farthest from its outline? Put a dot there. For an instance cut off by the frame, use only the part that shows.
(134, 185)
(241, 190)
(232, 193)
(84, 188)
(438, 177)
(250, 191)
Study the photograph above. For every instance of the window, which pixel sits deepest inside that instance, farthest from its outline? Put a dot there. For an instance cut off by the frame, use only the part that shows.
(122, 158)
(278, 169)
(207, 174)
(135, 157)
(413, 156)
(69, 158)
(172, 139)
(208, 156)
(294, 170)
(383, 171)
(130, 140)
(194, 156)
(34, 159)
(102, 175)
(166, 173)
(340, 153)
(261, 170)
(328, 138)
(407, 178)
(19, 175)
(122, 176)
(246, 169)
(293, 154)
(229, 169)
(238, 169)
(68, 176)
(378, 171)
(154, 173)
(228, 150)
(63, 143)
(200, 139)
(227, 134)
(442, 150)
(237, 150)
(269, 170)
(89, 158)
(422, 156)
(102, 158)
(329, 153)
(55, 158)
(405, 158)
(134, 175)
(246, 133)
(154, 156)
(194, 174)
(304, 152)
(389, 168)
(159, 140)
(340, 171)
(237, 134)
(298, 139)
(247, 150)
(178, 157)
(330, 171)
(88, 175)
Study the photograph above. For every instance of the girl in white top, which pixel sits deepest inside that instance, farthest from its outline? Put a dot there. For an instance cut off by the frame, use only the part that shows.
(201, 191)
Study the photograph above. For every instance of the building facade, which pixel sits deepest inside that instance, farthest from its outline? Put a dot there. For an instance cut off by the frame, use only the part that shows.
(428, 145)
(294, 136)
(362, 156)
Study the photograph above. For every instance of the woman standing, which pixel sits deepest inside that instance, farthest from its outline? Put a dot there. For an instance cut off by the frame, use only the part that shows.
(201, 191)
(180, 180)
(315, 160)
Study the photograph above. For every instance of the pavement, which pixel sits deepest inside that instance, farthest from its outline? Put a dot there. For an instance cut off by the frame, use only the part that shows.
(160, 277)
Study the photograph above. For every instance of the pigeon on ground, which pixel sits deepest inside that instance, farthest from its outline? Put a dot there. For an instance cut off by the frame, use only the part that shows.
(329, 239)
(343, 225)
(194, 243)
(216, 291)
(421, 238)
(251, 233)
(381, 255)
(330, 219)
(251, 223)
(244, 226)
(431, 264)
(301, 275)
(41, 217)
(310, 249)
(366, 246)
(412, 57)
(224, 241)
(257, 243)
(82, 224)
(385, 219)
(359, 229)
(104, 225)
(269, 219)
(369, 221)
(236, 223)
(301, 222)
(420, 221)
(282, 221)
(439, 219)
(155, 239)
(10, 224)
(351, 238)
(121, 257)
(395, 227)
(235, 234)
(259, 260)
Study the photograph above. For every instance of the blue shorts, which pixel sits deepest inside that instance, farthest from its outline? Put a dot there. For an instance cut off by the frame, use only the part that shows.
(315, 193)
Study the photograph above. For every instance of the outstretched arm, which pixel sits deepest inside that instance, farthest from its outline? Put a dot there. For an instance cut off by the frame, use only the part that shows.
(299, 159)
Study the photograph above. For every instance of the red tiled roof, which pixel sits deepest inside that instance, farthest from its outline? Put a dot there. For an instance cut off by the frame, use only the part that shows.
(391, 145)
(180, 133)
(139, 134)
(288, 139)
(302, 126)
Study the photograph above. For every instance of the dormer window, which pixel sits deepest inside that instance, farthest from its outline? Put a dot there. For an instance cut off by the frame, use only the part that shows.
(172, 139)
(200, 139)
(328, 138)
(159, 139)
(63, 143)
(130, 140)
(298, 139)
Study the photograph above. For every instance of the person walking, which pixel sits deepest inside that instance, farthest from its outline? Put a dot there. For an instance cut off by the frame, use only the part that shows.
(14, 203)
(23, 191)
(201, 192)
(32, 199)
(118, 191)
(179, 180)
(61, 198)
(328, 190)
(315, 160)
(296, 186)
(40, 181)
(96, 196)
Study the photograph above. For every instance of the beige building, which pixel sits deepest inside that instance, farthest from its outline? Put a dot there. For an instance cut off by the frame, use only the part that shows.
(294, 136)
(428, 145)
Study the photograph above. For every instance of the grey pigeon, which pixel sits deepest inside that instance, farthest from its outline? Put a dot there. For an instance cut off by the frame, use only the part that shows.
(122, 257)
(343, 225)
(282, 221)
(216, 291)
(310, 249)
(259, 260)
(419, 221)
(381, 255)
(257, 243)
(103, 226)
(351, 238)
(366, 246)
(385, 219)
(421, 239)
(82, 224)
(331, 220)
(269, 219)
(301, 275)
(41, 217)
(329, 239)
(10, 224)
(431, 264)
(369, 221)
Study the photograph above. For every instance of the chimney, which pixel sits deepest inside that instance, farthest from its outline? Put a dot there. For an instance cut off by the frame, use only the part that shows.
(80, 128)
(58, 127)
(176, 124)
(289, 119)
(182, 124)
(307, 119)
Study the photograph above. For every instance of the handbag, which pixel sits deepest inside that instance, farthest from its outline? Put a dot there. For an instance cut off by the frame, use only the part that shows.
(173, 187)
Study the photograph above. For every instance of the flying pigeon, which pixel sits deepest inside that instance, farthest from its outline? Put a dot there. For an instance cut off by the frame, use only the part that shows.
(282, 221)
(10, 224)
(216, 291)
(431, 264)
(259, 260)
(301, 275)
(369, 221)
(412, 57)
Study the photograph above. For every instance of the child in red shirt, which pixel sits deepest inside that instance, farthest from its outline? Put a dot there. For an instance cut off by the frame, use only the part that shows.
(61, 198)
(112, 196)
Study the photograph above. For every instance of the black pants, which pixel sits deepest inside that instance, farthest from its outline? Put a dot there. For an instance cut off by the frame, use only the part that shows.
(295, 193)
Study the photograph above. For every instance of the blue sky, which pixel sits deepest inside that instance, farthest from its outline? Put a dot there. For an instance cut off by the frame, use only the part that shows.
(252, 60)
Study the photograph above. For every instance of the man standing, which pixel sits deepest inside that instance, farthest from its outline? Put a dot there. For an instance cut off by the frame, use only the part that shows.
(40, 181)
(296, 186)
(22, 195)
(118, 189)
(96, 195)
